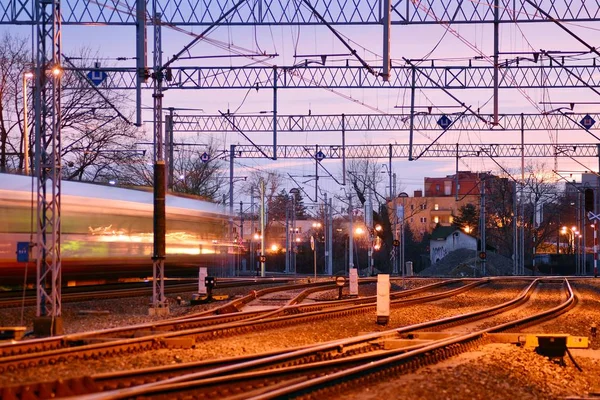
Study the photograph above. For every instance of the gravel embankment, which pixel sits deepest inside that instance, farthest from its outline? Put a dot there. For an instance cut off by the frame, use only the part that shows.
(257, 342)
(497, 371)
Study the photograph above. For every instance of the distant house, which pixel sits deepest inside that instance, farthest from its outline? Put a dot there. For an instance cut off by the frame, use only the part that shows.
(445, 239)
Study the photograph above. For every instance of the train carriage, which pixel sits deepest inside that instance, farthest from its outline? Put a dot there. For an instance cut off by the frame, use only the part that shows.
(107, 231)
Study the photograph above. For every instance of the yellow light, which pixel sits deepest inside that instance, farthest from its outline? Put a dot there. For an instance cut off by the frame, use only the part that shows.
(274, 247)
(316, 224)
(574, 228)
(256, 236)
(467, 229)
(298, 240)
(56, 71)
(378, 228)
(359, 231)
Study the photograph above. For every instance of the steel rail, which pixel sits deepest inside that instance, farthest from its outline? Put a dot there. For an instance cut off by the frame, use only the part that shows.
(299, 384)
(161, 339)
(425, 355)
(345, 347)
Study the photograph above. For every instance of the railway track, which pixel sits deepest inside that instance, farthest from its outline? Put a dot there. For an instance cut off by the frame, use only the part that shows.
(223, 321)
(99, 292)
(309, 372)
(349, 347)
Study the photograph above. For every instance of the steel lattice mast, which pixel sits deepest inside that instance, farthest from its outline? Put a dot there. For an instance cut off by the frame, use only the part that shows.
(48, 164)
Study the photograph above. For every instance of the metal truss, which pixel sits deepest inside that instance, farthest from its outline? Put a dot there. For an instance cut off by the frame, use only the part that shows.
(47, 159)
(378, 122)
(354, 77)
(285, 12)
(427, 150)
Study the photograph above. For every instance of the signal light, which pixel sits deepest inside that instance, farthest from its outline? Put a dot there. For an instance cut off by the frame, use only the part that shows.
(482, 255)
(589, 200)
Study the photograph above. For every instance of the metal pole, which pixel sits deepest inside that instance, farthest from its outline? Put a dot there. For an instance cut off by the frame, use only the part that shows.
(159, 301)
(330, 238)
(350, 236)
(496, 50)
(169, 162)
(241, 237)
(25, 126)
(315, 257)
(522, 203)
(387, 25)
(141, 56)
(344, 150)
(275, 112)
(287, 237)
(262, 226)
(412, 114)
(395, 232)
(456, 176)
(596, 223)
(252, 261)
(231, 170)
(482, 214)
(514, 223)
(325, 235)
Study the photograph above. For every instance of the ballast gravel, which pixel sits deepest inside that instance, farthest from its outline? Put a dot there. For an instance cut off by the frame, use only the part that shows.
(492, 372)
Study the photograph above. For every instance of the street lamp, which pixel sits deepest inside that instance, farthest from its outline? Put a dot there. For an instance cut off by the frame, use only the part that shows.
(26, 76)
(400, 214)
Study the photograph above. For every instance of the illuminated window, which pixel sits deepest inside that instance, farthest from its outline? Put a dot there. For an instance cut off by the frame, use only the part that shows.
(436, 219)
(436, 206)
(451, 219)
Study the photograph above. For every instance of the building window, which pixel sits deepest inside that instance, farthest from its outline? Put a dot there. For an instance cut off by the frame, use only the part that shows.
(412, 219)
(437, 188)
(436, 207)
(424, 206)
(451, 219)
(423, 220)
(412, 207)
(436, 219)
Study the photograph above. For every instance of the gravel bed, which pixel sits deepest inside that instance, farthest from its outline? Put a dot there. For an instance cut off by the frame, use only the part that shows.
(544, 297)
(494, 372)
(104, 314)
(282, 338)
(578, 320)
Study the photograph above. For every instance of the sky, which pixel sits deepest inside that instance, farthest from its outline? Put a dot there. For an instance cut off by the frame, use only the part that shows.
(455, 46)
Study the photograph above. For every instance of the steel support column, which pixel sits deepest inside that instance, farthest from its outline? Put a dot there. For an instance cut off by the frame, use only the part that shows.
(159, 301)
(48, 163)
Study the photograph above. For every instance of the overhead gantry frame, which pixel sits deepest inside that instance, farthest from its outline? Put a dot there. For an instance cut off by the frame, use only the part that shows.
(49, 15)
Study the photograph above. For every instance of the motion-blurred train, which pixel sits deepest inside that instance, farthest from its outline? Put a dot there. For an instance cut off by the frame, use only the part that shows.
(107, 232)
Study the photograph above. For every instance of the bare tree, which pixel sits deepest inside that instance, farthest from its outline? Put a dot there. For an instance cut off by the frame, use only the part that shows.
(191, 175)
(364, 175)
(273, 184)
(13, 58)
(97, 137)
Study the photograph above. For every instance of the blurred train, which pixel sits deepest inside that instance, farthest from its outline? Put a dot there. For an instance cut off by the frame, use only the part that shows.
(107, 232)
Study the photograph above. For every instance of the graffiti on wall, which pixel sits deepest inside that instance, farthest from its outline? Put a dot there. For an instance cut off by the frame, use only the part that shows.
(437, 253)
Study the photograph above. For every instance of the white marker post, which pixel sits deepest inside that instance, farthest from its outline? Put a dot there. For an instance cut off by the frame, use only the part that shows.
(383, 299)
(202, 274)
(353, 282)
